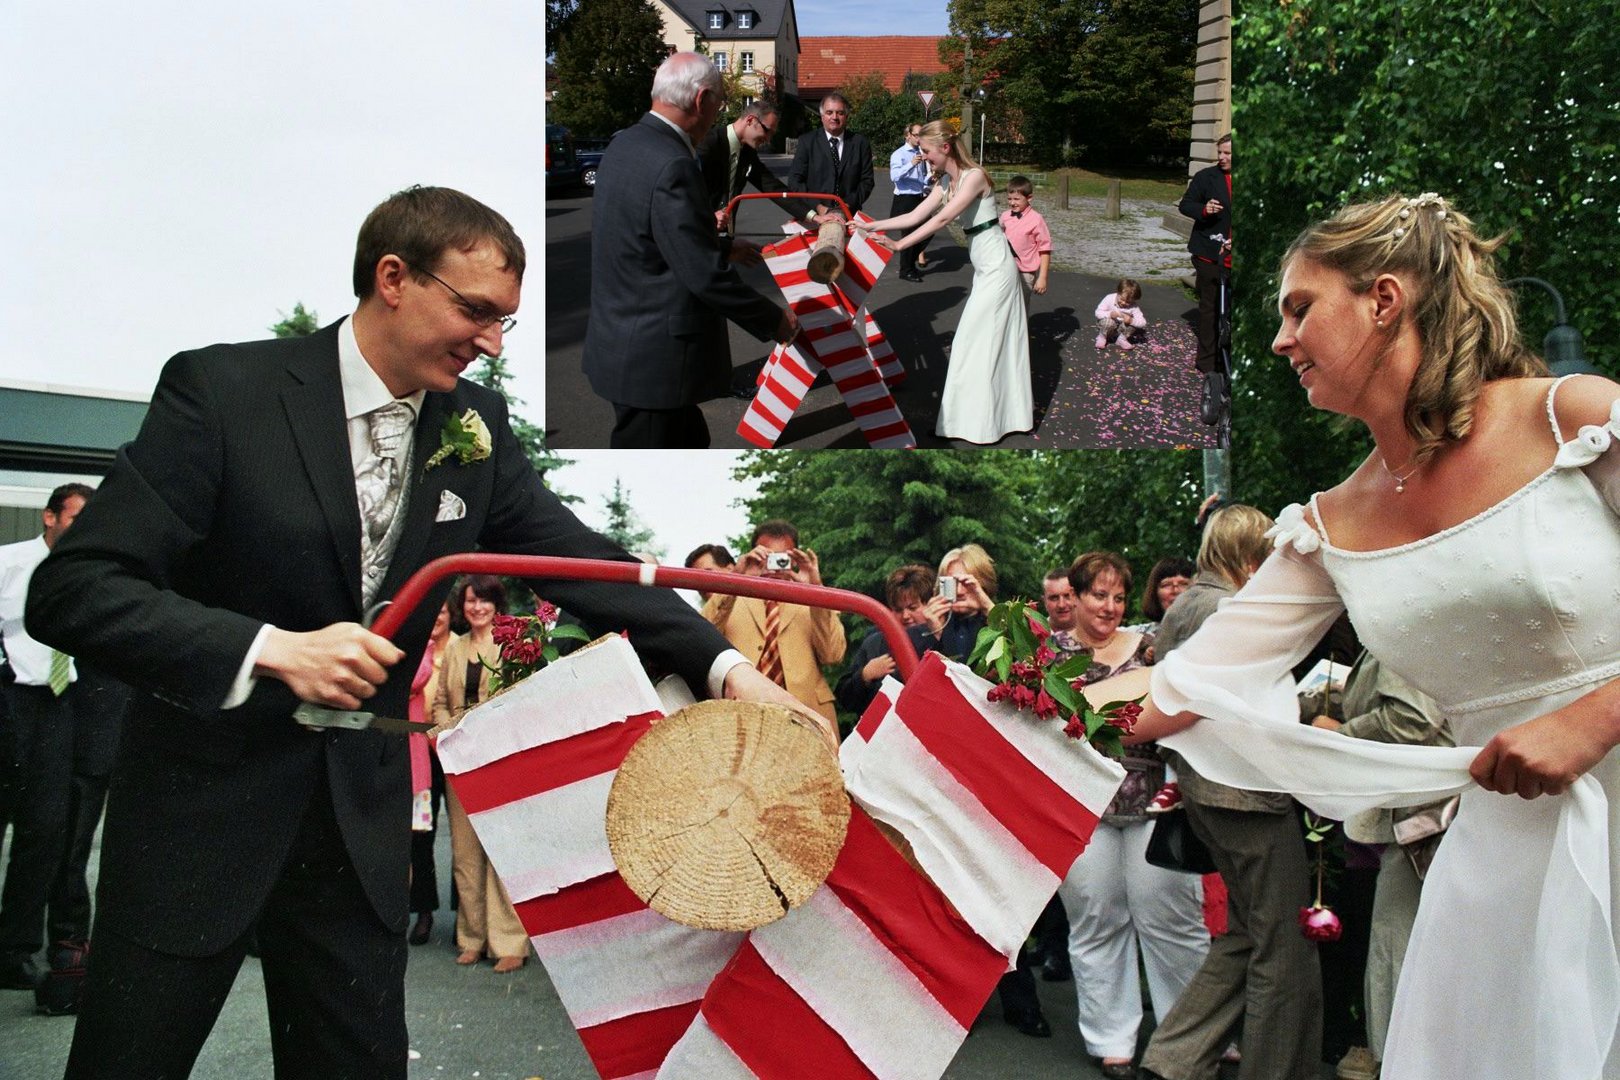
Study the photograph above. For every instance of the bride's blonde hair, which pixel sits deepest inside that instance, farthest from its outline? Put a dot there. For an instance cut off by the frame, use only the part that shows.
(961, 146)
(1463, 313)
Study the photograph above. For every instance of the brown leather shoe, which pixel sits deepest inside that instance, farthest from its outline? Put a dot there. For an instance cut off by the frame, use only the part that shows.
(469, 956)
(505, 965)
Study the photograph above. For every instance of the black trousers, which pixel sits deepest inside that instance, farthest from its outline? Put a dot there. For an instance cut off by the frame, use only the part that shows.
(681, 428)
(1207, 283)
(42, 762)
(98, 703)
(334, 979)
(905, 204)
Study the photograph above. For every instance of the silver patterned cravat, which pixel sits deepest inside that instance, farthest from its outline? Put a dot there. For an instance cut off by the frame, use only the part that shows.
(378, 487)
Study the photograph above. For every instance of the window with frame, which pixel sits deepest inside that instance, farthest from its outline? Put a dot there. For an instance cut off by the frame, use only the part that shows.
(717, 20)
(720, 61)
(747, 65)
(745, 20)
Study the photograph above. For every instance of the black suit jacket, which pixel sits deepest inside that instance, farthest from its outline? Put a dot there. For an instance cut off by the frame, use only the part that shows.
(813, 168)
(661, 287)
(1205, 185)
(235, 506)
(714, 159)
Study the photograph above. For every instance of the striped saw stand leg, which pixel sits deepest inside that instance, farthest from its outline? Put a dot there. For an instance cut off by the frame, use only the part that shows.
(881, 973)
(836, 335)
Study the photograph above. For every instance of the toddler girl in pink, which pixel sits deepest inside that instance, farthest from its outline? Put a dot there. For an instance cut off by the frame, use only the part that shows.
(1119, 316)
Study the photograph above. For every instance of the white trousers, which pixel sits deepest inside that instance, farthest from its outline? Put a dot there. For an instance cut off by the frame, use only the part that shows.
(1113, 897)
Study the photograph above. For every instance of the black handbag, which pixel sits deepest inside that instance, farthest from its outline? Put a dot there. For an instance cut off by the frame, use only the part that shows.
(1174, 846)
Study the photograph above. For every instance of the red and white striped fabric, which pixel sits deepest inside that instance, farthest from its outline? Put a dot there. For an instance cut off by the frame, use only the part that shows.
(838, 335)
(880, 974)
(533, 767)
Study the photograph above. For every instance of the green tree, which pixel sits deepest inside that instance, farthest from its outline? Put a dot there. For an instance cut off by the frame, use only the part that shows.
(1111, 76)
(298, 324)
(606, 53)
(625, 528)
(1510, 110)
(493, 373)
(864, 514)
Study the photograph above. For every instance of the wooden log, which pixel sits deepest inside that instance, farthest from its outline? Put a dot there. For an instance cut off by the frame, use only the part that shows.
(727, 814)
(1111, 209)
(827, 254)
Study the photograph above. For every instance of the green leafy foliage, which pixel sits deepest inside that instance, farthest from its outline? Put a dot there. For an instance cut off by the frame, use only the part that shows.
(1110, 80)
(606, 53)
(625, 528)
(1511, 110)
(300, 323)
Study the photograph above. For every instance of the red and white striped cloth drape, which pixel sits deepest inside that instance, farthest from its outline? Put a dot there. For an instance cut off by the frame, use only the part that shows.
(879, 974)
(837, 334)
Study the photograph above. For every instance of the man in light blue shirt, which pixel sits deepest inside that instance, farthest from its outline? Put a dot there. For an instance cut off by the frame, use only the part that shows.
(909, 171)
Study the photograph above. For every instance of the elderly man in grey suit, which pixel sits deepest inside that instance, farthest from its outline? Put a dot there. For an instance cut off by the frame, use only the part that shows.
(662, 286)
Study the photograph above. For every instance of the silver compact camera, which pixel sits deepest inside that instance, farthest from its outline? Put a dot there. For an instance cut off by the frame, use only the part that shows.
(779, 560)
(947, 588)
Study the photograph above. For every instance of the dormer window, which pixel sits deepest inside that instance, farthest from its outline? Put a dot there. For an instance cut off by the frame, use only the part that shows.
(745, 20)
(717, 20)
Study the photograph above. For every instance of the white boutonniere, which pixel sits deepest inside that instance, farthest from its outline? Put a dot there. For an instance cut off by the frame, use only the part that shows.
(466, 437)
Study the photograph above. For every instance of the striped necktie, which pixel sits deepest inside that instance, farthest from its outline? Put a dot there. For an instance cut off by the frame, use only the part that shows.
(58, 678)
(770, 657)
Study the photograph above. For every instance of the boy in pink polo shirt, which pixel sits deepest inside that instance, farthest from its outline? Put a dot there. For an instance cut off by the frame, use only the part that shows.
(1027, 233)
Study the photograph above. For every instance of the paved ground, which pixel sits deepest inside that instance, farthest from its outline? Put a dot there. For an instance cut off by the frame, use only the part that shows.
(1083, 398)
(472, 1023)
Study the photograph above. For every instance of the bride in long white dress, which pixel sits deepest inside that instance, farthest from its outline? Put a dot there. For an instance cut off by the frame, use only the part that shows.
(1477, 551)
(988, 393)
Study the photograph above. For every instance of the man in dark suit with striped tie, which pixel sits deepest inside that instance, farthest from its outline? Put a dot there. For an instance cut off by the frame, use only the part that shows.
(834, 160)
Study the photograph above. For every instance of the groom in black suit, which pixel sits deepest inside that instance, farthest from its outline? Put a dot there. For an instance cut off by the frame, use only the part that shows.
(277, 490)
(834, 160)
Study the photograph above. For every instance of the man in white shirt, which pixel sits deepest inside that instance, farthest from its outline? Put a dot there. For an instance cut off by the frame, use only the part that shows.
(41, 722)
(909, 171)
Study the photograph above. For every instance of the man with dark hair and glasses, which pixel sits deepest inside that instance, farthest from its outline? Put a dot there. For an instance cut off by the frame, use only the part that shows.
(729, 158)
(277, 492)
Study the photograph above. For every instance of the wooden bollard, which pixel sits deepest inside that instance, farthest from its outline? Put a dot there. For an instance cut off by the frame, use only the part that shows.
(1063, 191)
(1111, 211)
(827, 254)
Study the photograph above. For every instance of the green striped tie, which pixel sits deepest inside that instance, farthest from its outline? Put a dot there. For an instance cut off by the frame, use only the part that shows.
(59, 672)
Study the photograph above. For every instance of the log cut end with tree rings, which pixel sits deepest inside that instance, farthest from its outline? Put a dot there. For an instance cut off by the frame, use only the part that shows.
(827, 254)
(727, 814)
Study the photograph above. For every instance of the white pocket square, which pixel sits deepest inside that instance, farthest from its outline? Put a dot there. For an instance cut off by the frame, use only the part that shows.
(451, 508)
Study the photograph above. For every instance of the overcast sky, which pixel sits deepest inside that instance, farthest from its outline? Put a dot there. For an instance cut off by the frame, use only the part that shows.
(686, 497)
(181, 173)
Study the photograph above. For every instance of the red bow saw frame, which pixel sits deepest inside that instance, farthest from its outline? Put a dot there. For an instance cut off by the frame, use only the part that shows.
(826, 279)
(882, 971)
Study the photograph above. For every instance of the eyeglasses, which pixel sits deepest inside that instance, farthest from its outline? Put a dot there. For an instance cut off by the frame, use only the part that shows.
(478, 313)
(834, 112)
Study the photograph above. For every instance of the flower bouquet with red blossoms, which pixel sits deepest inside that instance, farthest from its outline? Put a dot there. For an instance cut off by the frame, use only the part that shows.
(526, 644)
(1013, 653)
(1318, 922)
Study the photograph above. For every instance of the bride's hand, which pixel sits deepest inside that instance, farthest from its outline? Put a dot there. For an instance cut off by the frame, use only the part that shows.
(1546, 755)
(882, 241)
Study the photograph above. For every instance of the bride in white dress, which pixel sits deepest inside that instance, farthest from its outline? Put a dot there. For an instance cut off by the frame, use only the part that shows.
(1477, 550)
(988, 393)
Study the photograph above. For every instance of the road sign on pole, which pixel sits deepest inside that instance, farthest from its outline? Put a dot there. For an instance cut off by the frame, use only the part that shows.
(927, 100)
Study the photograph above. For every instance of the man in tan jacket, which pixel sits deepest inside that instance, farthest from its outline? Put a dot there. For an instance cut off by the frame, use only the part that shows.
(787, 642)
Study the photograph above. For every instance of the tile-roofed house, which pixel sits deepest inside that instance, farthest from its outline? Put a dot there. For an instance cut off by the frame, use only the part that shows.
(747, 36)
(827, 62)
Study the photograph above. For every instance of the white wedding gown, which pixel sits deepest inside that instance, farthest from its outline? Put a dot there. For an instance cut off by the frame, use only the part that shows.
(1512, 971)
(988, 393)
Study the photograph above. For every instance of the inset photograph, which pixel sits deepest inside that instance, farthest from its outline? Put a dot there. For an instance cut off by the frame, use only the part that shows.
(987, 233)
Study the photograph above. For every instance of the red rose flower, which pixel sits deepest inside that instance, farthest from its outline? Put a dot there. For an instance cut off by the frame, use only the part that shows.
(1045, 707)
(1318, 923)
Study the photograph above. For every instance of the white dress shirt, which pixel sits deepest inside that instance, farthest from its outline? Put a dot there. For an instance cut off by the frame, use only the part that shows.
(30, 660)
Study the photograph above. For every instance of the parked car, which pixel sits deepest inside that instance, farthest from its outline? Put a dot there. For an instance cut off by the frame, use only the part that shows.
(589, 152)
(562, 164)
